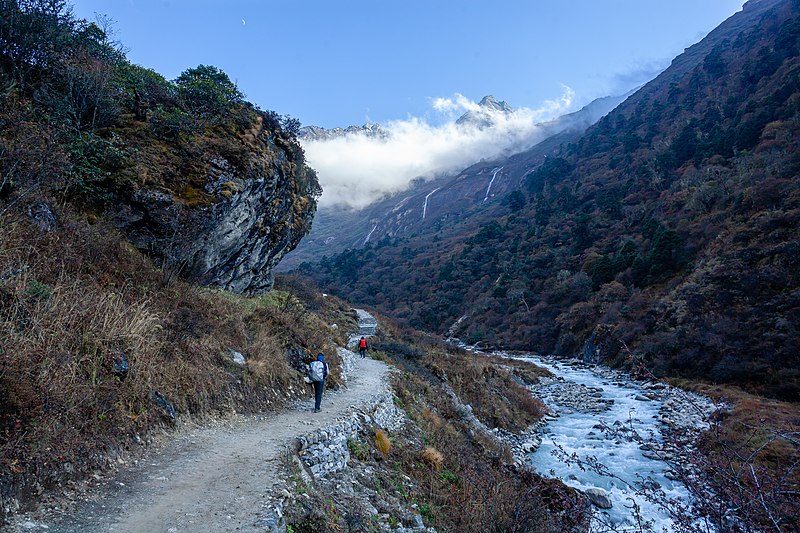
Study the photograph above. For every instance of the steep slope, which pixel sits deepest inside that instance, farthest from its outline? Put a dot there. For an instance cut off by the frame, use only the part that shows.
(670, 227)
(213, 188)
(431, 204)
(114, 184)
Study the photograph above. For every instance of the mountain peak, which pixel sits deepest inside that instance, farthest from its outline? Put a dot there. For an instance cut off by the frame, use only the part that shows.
(317, 133)
(490, 102)
(484, 116)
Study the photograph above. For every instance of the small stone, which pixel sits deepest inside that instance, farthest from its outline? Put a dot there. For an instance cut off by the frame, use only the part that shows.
(238, 358)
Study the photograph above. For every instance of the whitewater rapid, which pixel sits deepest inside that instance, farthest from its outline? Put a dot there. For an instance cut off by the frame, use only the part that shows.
(576, 431)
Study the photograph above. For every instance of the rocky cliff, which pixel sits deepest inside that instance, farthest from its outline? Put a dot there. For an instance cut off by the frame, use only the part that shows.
(231, 221)
(214, 189)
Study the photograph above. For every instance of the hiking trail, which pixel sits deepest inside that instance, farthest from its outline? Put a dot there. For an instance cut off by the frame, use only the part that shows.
(212, 478)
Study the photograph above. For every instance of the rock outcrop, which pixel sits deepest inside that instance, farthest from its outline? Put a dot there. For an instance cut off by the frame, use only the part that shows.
(231, 224)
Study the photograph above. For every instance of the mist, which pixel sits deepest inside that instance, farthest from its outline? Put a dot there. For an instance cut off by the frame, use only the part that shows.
(357, 169)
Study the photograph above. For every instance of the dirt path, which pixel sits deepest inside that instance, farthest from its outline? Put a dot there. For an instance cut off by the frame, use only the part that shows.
(212, 479)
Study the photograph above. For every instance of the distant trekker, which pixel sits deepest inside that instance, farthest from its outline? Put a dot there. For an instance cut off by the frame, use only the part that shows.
(318, 372)
(362, 347)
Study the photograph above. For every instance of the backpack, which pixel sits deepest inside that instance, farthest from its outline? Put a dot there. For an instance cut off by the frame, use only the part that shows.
(316, 371)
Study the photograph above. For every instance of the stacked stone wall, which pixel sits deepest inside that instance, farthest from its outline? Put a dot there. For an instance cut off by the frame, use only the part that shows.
(325, 450)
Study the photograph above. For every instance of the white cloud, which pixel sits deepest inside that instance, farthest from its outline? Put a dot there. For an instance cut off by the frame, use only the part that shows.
(356, 170)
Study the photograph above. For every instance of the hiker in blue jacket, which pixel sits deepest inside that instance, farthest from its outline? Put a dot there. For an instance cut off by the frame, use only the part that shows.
(318, 372)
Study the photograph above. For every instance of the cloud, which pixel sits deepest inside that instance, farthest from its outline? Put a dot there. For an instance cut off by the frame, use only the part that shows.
(358, 169)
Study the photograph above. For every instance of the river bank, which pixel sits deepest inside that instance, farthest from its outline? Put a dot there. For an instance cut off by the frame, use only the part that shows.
(615, 438)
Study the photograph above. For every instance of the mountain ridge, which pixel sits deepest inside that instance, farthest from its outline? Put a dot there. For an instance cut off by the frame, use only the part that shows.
(451, 195)
(632, 236)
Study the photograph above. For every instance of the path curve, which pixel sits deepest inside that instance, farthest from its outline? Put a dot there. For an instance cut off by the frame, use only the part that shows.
(367, 325)
(212, 479)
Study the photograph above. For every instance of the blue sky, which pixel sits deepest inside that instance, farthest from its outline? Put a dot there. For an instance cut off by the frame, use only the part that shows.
(413, 67)
(336, 63)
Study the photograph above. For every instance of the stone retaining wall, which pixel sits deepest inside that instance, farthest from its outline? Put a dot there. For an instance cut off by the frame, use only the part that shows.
(349, 362)
(325, 450)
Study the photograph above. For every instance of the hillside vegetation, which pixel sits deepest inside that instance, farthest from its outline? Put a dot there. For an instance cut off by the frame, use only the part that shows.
(103, 165)
(670, 227)
(108, 341)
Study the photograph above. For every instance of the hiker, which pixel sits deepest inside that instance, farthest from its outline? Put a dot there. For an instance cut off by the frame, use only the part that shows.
(317, 372)
(362, 347)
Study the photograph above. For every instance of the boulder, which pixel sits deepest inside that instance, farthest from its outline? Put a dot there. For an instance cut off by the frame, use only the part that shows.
(229, 224)
(120, 364)
(238, 358)
(601, 345)
(41, 214)
(166, 407)
(598, 497)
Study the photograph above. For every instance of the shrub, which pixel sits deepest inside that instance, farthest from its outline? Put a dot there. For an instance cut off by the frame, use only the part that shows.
(394, 348)
(432, 457)
(207, 90)
(382, 442)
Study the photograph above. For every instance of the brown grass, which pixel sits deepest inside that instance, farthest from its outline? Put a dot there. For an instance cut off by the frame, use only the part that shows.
(433, 457)
(527, 371)
(382, 442)
(751, 457)
(474, 489)
(74, 299)
(487, 384)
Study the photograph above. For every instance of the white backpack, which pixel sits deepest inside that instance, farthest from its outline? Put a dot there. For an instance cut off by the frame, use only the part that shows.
(316, 371)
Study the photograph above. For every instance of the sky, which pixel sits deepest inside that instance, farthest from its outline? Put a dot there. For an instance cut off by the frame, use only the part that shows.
(412, 66)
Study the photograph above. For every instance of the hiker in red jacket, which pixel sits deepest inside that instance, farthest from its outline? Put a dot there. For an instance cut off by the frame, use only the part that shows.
(362, 347)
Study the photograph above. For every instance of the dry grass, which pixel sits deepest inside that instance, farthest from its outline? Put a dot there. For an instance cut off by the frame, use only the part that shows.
(527, 371)
(487, 384)
(74, 300)
(433, 457)
(382, 442)
(751, 458)
(471, 488)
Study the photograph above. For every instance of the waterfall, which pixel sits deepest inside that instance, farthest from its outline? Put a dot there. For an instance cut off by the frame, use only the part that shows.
(489, 188)
(425, 203)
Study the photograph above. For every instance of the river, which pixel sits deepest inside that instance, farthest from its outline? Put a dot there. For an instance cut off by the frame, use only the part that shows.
(582, 398)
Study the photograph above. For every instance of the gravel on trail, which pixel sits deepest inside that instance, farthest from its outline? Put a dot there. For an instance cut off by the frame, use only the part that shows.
(210, 479)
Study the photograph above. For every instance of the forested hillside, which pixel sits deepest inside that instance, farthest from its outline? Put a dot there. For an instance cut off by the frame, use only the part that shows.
(175, 165)
(670, 227)
(115, 183)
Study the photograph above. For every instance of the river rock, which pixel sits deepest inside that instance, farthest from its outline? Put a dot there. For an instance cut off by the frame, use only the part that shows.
(598, 497)
(570, 397)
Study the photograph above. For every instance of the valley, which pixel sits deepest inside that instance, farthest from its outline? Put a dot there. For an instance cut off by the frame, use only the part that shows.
(668, 227)
(579, 321)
